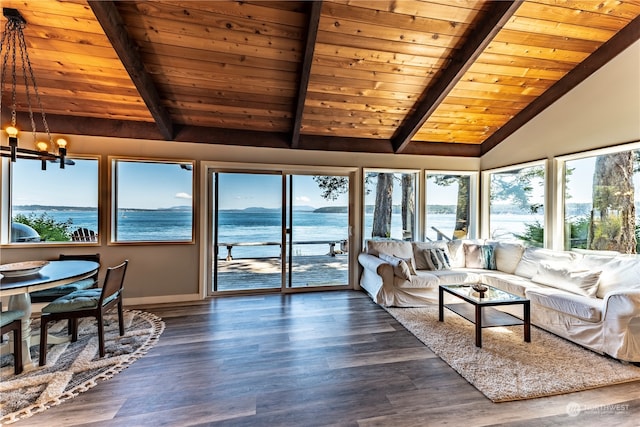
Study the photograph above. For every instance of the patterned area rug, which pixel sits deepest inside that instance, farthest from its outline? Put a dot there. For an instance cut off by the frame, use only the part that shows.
(74, 367)
(506, 368)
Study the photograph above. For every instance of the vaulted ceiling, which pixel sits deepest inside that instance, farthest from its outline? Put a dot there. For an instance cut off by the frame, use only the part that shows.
(443, 77)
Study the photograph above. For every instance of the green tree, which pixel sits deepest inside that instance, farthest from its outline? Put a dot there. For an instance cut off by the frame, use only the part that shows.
(613, 216)
(517, 186)
(408, 206)
(333, 186)
(47, 227)
(533, 234)
(383, 209)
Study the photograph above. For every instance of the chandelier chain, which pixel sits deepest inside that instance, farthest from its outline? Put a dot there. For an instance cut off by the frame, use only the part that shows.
(26, 66)
(13, 48)
(4, 65)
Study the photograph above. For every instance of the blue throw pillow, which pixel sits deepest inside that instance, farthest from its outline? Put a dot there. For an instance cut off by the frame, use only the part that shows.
(480, 256)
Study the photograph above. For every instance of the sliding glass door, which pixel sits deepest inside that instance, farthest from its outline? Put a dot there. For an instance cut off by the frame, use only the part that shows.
(317, 231)
(274, 231)
(247, 228)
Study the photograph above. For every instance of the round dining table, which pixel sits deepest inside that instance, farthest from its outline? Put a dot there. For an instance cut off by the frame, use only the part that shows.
(55, 273)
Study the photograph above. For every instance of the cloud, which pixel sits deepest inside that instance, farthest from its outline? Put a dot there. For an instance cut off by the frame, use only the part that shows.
(303, 199)
(183, 196)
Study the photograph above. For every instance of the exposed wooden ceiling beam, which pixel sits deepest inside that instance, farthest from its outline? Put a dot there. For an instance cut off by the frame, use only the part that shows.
(605, 53)
(305, 72)
(70, 125)
(113, 26)
(481, 35)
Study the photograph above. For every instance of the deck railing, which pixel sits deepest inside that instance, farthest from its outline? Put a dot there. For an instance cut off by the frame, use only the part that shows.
(343, 244)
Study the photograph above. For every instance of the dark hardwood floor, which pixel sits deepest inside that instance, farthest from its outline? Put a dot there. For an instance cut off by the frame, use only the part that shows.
(310, 359)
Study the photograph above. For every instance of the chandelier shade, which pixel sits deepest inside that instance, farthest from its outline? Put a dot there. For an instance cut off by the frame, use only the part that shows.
(16, 69)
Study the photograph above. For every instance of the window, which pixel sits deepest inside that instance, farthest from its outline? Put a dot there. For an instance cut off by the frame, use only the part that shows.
(600, 201)
(516, 204)
(390, 201)
(152, 201)
(52, 205)
(450, 203)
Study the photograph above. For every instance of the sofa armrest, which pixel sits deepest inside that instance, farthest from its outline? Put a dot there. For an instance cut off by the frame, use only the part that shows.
(377, 275)
(622, 304)
(371, 262)
(621, 324)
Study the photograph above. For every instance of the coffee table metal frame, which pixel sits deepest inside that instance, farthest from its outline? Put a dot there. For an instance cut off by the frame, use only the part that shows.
(480, 311)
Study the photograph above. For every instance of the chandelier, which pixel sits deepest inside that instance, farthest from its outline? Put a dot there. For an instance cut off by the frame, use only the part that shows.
(13, 52)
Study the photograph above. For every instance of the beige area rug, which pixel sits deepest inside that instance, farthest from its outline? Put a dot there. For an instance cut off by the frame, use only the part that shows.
(506, 368)
(73, 368)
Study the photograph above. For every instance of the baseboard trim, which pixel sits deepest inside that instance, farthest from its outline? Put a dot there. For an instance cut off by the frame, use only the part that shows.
(163, 299)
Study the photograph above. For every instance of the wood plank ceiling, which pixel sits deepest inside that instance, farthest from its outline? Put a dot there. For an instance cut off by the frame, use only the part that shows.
(443, 77)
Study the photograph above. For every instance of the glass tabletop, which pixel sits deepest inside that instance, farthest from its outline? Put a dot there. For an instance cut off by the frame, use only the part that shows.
(491, 295)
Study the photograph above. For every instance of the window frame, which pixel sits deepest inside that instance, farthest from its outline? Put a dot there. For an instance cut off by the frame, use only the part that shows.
(113, 203)
(419, 209)
(485, 226)
(560, 168)
(6, 205)
(474, 191)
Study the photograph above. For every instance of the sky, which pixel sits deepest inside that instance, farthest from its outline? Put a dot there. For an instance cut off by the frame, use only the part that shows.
(141, 185)
(240, 191)
(156, 185)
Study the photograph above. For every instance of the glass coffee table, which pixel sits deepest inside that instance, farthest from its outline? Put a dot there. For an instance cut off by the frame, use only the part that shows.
(478, 308)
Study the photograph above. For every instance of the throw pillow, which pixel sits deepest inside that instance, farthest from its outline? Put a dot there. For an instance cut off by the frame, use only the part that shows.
(400, 266)
(409, 263)
(418, 256)
(583, 282)
(533, 256)
(508, 256)
(437, 259)
(479, 256)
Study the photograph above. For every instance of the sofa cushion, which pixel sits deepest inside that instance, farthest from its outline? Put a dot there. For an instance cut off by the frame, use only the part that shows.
(456, 253)
(401, 266)
(452, 277)
(592, 261)
(580, 306)
(508, 256)
(621, 273)
(578, 282)
(396, 248)
(422, 279)
(479, 256)
(508, 282)
(532, 257)
(418, 252)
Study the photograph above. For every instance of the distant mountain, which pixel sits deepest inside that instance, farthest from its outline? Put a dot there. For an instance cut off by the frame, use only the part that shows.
(52, 208)
(255, 209)
(90, 209)
(258, 209)
(332, 209)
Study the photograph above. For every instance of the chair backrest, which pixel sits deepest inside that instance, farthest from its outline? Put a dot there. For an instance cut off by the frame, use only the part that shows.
(82, 257)
(84, 235)
(113, 282)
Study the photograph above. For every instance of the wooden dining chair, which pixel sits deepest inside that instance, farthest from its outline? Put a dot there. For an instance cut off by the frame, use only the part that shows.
(86, 303)
(49, 295)
(11, 321)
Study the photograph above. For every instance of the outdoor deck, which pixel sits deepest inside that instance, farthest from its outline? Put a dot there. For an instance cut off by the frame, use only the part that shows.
(264, 273)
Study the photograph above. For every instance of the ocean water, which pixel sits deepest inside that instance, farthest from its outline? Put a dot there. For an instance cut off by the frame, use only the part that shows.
(262, 227)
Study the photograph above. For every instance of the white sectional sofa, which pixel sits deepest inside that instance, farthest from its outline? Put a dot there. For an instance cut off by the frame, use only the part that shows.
(590, 298)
